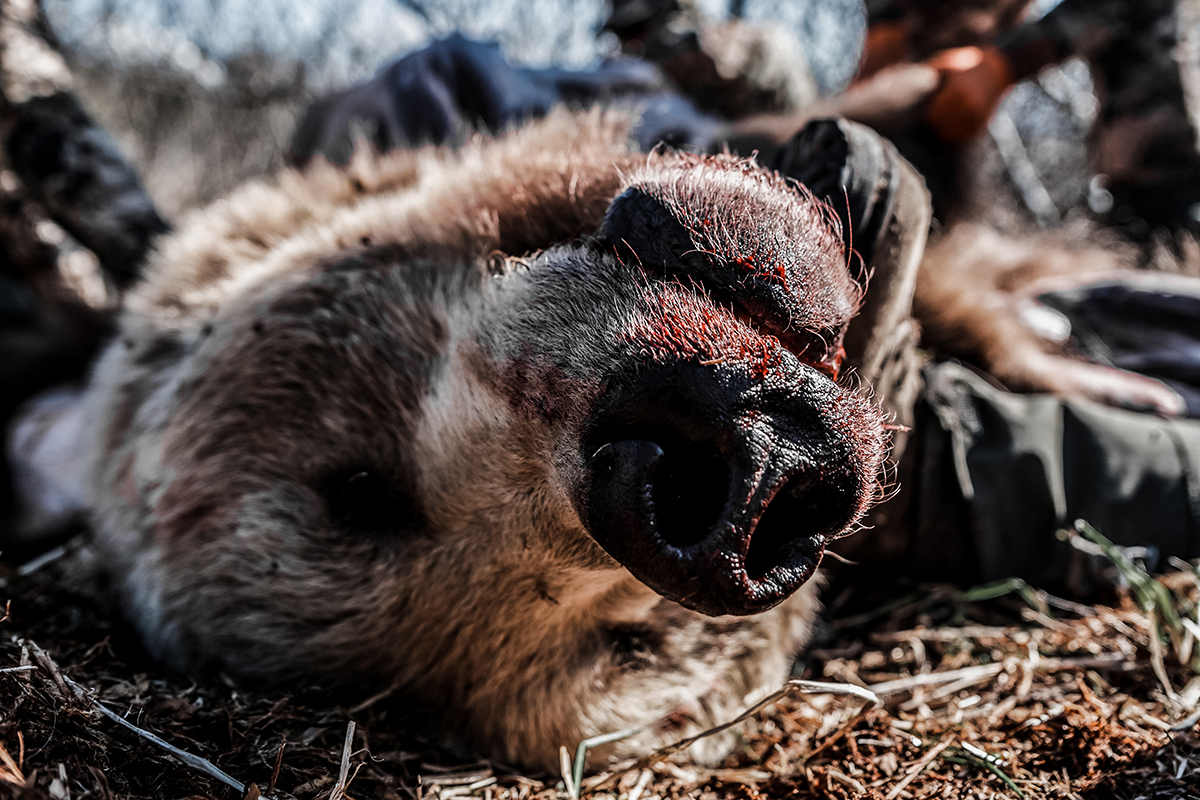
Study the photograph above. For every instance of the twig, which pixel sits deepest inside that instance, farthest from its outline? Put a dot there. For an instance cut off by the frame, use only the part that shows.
(942, 634)
(461, 791)
(979, 672)
(1187, 723)
(1115, 661)
(339, 788)
(847, 781)
(640, 787)
(564, 763)
(792, 686)
(373, 699)
(10, 772)
(970, 675)
(581, 755)
(26, 668)
(948, 689)
(278, 765)
(448, 777)
(919, 767)
(36, 563)
(195, 762)
(48, 664)
(1156, 660)
(70, 688)
(838, 734)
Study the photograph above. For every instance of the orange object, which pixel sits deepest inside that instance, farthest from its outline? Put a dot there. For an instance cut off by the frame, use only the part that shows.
(887, 44)
(973, 81)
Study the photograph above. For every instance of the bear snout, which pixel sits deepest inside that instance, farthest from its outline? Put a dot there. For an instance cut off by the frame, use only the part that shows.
(719, 488)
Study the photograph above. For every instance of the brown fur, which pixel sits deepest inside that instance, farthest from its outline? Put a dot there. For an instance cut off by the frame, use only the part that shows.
(972, 287)
(566, 174)
(337, 324)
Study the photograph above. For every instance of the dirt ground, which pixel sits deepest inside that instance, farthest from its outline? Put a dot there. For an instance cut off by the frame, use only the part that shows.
(997, 691)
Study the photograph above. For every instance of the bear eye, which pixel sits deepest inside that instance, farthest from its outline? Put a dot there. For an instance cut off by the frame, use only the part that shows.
(367, 502)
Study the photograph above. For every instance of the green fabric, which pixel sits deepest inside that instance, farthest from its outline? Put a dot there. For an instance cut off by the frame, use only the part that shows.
(1015, 468)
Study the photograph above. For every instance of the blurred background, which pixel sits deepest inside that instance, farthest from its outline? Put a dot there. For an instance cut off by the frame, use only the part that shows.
(204, 93)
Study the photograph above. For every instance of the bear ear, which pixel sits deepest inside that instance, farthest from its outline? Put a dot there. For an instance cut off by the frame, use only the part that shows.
(748, 239)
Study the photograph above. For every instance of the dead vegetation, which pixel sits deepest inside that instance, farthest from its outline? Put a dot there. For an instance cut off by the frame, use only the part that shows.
(997, 691)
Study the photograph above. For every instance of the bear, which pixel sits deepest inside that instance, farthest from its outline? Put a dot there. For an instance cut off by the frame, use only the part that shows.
(546, 434)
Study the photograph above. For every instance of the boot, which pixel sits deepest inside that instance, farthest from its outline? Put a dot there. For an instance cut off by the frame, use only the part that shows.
(884, 211)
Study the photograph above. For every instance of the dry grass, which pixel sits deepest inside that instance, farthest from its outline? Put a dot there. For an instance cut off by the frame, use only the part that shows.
(994, 692)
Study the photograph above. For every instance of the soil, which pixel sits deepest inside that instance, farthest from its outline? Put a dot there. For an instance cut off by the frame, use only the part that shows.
(1021, 695)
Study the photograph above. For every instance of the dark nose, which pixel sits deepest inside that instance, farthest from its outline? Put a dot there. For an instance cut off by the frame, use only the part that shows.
(719, 490)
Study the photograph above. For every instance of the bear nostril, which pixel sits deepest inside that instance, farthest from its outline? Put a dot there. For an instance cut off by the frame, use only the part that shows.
(803, 509)
(689, 491)
(687, 484)
(718, 489)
